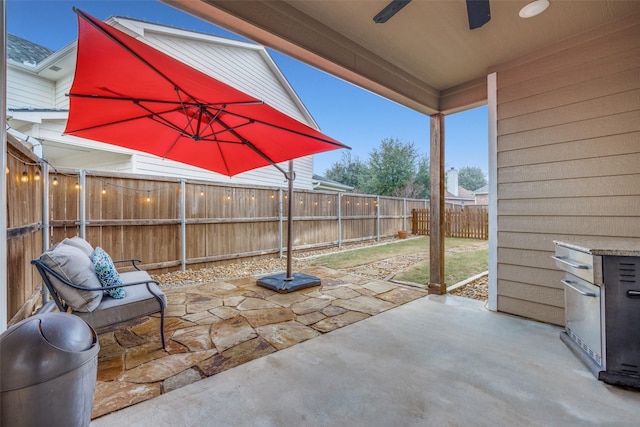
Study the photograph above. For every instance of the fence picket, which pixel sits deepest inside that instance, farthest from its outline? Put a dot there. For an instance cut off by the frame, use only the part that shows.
(467, 223)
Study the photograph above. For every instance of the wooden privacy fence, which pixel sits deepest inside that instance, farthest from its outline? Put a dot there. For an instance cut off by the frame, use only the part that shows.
(173, 224)
(468, 222)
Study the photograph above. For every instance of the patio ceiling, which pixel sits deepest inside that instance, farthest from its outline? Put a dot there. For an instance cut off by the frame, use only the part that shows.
(425, 57)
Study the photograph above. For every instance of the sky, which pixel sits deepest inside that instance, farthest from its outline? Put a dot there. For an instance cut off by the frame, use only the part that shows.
(353, 116)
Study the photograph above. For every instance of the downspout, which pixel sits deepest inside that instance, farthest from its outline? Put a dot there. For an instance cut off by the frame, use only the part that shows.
(44, 226)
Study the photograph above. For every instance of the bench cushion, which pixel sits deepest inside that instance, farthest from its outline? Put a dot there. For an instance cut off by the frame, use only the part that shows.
(137, 302)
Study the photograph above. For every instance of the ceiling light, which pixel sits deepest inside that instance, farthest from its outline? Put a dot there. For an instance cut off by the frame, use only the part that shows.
(534, 8)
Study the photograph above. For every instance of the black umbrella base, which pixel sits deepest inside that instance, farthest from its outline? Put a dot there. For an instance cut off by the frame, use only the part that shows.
(283, 284)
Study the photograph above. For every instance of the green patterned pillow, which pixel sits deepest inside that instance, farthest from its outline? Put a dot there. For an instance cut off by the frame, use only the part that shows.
(107, 273)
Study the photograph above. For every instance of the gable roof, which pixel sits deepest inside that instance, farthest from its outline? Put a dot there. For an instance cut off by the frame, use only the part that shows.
(26, 52)
(321, 183)
(463, 194)
(482, 190)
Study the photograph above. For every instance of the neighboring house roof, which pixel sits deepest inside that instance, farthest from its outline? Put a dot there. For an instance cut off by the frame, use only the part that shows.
(25, 52)
(322, 183)
(464, 195)
(482, 190)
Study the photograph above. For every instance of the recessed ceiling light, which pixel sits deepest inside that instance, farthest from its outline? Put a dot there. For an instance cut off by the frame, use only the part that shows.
(534, 8)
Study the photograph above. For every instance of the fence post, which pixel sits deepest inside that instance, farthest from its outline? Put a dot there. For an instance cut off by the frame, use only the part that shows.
(183, 224)
(83, 202)
(404, 213)
(339, 220)
(280, 231)
(378, 217)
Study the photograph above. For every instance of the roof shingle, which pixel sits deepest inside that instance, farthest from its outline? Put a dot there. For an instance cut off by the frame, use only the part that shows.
(26, 52)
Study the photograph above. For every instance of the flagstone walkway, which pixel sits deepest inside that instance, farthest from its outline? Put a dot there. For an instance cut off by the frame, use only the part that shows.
(212, 327)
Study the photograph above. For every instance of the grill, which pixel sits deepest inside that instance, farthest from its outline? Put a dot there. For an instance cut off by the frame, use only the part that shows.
(602, 306)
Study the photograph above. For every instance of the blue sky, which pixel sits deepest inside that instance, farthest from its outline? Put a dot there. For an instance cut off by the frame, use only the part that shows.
(343, 111)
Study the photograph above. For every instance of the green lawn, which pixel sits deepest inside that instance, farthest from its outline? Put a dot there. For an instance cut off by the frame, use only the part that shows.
(458, 266)
(464, 258)
(358, 257)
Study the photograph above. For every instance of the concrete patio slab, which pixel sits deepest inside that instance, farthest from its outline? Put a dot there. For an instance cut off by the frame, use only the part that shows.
(436, 361)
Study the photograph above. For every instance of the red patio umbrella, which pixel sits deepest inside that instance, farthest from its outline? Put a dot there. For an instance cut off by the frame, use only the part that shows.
(129, 94)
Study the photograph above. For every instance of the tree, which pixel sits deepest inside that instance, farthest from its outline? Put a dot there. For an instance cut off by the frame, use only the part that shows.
(423, 177)
(471, 178)
(392, 168)
(348, 171)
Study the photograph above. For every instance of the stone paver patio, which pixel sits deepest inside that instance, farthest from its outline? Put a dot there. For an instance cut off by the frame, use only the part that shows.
(216, 326)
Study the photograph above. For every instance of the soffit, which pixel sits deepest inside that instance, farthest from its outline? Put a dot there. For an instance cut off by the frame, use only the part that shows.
(424, 49)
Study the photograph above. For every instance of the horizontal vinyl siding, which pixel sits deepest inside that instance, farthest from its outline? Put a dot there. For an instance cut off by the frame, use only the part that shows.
(25, 90)
(242, 68)
(265, 176)
(568, 159)
(84, 156)
(63, 87)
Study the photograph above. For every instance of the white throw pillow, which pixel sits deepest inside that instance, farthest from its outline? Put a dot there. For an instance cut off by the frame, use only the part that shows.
(79, 243)
(75, 266)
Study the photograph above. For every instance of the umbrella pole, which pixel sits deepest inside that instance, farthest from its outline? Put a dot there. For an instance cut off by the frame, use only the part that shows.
(290, 178)
(289, 282)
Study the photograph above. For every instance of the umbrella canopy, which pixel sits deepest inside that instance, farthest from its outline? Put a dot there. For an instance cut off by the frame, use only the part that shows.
(129, 94)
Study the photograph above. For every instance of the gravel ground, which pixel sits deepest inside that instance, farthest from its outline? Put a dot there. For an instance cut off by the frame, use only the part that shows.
(478, 289)
(384, 269)
(255, 267)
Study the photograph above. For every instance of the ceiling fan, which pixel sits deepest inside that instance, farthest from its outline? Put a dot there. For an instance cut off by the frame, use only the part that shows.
(478, 12)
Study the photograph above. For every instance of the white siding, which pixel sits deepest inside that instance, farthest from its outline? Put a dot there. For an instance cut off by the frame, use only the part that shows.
(26, 90)
(242, 68)
(268, 175)
(63, 86)
(87, 154)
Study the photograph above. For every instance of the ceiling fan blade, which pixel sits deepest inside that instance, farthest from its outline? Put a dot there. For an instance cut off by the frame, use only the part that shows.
(391, 9)
(479, 13)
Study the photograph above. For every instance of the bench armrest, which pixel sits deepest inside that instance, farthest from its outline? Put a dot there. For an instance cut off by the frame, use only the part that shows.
(133, 262)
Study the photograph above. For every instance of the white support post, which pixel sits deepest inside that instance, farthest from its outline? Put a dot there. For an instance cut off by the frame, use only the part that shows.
(492, 100)
(183, 224)
(4, 297)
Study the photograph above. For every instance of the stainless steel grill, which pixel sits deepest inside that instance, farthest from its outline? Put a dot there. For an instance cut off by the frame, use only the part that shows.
(602, 308)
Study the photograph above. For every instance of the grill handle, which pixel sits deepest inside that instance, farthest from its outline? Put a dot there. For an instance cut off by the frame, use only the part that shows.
(570, 264)
(572, 285)
(633, 294)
